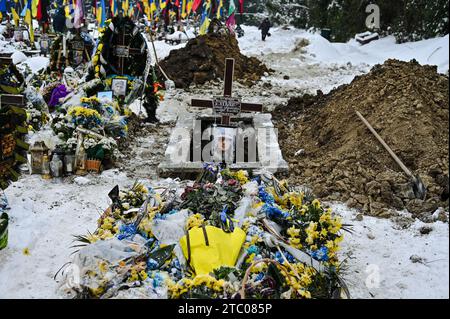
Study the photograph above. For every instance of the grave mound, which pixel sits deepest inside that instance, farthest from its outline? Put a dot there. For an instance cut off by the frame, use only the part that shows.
(202, 60)
(407, 104)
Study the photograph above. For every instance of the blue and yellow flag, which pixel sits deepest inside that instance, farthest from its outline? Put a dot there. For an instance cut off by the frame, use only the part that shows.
(29, 18)
(162, 4)
(205, 21)
(219, 9)
(101, 14)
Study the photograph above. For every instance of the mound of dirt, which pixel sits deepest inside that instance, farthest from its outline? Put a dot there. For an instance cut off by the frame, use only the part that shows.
(408, 106)
(203, 60)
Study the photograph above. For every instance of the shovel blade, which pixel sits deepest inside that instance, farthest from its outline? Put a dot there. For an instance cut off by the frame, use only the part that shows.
(419, 188)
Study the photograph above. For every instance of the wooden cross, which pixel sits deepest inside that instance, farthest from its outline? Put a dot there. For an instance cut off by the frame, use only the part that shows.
(227, 106)
(124, 51)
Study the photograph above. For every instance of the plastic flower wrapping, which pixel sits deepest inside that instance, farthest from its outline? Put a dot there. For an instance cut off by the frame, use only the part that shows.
(226, 235)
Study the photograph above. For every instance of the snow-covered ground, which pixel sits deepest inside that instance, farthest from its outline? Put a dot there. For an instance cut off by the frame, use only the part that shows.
(385, 259)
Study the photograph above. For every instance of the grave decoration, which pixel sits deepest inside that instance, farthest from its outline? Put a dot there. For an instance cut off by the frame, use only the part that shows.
(11, 80)
(122, 61)
(248, 142)
(227, 235)
(71, 49)
(12, 132)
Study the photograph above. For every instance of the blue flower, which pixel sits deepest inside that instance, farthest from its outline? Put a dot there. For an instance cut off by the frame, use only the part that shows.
(264, 196)
(274, 212)
(126, 231)
(152, 264)
(321, 254)
(253, 250)
(259, 277)
(158, 279)
(223, 214)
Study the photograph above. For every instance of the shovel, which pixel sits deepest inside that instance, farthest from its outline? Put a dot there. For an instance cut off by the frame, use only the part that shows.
(420, 191)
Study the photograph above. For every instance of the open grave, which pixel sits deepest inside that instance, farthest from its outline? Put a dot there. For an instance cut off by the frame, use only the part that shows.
(237, 134)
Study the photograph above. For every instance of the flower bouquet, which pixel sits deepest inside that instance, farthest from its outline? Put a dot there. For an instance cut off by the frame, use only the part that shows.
(97, 151)
(288, 248)
(85, 117)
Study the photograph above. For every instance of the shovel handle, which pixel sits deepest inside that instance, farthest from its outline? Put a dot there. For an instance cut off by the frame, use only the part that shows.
(391, 152)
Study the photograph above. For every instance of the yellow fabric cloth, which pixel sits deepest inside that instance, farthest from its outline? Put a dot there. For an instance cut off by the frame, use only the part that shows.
(223, 249)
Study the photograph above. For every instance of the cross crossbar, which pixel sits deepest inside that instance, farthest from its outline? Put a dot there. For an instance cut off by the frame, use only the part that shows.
(224, 105)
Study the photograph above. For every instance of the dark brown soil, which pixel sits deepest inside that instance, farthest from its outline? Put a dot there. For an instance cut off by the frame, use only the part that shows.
(408, 106)
(203, 60)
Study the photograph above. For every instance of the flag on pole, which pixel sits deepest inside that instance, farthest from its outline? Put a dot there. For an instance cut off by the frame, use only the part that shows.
(114, 7)
(79, 14)
(189, 6)
(219, 9)
(2, 9)
(196, 4)
(241, 6)
(29, 19)
(231, 20)
(183, 8)
(153, 7)
(204, 24)
(15, 16)
(34, 7)
(101, 14)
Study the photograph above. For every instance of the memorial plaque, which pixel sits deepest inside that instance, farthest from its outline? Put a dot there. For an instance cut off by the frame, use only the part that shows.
(77, 45)
(227, 105)
(122, 51)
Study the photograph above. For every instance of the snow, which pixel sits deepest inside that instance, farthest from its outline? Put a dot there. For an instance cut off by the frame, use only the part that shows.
(379, 264)
(44, 217)
(37, 63)
(18, 57)
(45, 214)
(431, 51)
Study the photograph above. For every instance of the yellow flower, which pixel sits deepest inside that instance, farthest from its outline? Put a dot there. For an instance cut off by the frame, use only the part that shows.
(305, 279)
(316, 203)
(296, 199)
(250, 258)
(294, 242)
(336, 225)
(97, 291)
(304, 293)
(338, 240)
(293, 232)
(82, 111)
(195, 220)
(143, 275)
(241, 176)
(26, 251)
(258, 268)
(218, 285)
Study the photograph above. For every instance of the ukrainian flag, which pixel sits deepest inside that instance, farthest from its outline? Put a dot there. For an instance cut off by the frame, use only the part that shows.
(29, 19)
(101, 14)
(205, 17)
(153, 6)
(15, 16)
(219, 9)
(162, 4)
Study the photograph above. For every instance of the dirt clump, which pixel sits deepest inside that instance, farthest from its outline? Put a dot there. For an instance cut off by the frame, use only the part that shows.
(203, 60)
(408, 106)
